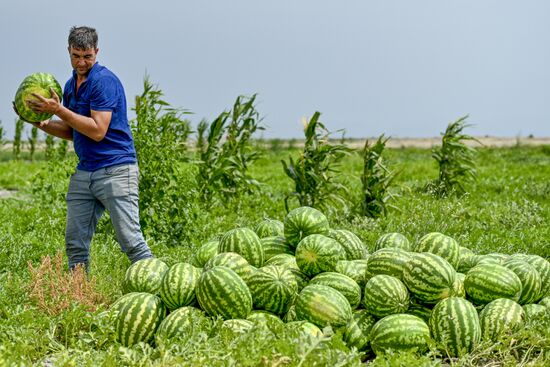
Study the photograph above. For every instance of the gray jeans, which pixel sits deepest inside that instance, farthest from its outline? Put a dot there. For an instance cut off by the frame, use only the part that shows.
(90, 193)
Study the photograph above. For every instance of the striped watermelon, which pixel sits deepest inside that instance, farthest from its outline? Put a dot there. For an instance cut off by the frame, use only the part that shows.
(454, 324)
(534, 311)
(429, 277)
(545, 302)
(530, 280)
(144, 276)
(286, 260)
(221, 292)
(355, 269)
(486, 282)
(353, 246)
(342, 283)
(440, 244)
(466, 259)
(290, 315)
(420, 310)
(357, 330)
(177, 288)
(302, 222)
(493, 258)
(543, 267)
(388, 261)
(244, 242)
(233, 261)
(205, 253)
(275, 245)
(270, 228)
(322, 306)
(263, 317)
(273, 289)
(392, 240)
(399, 332)
(305, 327)
(180, 323)
(317, 253)
(301, 279)
(237, 326)
(41, 84)
(458, 286)
(137, 318)
(500, 316)
(385, 295)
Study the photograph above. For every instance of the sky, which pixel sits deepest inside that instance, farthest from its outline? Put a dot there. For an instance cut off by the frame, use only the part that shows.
(399, 67)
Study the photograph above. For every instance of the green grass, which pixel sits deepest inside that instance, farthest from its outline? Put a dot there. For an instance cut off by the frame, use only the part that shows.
(507, 210)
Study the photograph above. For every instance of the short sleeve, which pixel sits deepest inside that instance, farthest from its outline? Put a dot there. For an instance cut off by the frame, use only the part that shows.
(104, 94)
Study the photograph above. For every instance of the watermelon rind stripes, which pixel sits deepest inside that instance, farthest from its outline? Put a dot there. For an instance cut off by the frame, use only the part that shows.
(244, 242)
(322, 306)
(302, 222)
(317, 253)
(355, 269)
(233, 261)
(441, 245)
(388, 261)
(144, 276)
(221, 292)
(531, 283)
(39, 83)
(138, 317)
(455, 325)
(269, 228)
(499, 316)
(205, 253)
(487, 282)
(543, 267)
(237, 326)
(342, 283)
(385, 295)
(357, 331)
(392, 240)
(304, 327)
(177, 288)
(275, 245)
(180, 323)
(273, 288)
(535, 311)
(353, 246)
(429, 277)
(399, 332)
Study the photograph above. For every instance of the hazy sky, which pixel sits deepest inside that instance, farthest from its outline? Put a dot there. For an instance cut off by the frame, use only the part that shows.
(400, 67)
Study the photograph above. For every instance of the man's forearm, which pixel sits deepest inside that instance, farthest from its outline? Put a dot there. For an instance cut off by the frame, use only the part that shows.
(83, 124)
(56, 128)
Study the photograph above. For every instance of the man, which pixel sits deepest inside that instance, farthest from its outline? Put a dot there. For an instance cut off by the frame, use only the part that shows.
(93, 115)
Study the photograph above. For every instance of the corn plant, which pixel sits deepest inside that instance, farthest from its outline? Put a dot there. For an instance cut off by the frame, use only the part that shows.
(19, 126)
(2, 136)
(33, 141)
(456, 160)
(160, 136)
(314, 170)
(226, 153)
(376, 181)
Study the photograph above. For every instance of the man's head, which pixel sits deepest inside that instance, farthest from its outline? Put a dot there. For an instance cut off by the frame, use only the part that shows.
(83, 49)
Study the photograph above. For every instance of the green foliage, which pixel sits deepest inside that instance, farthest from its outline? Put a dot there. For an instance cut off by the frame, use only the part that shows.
(314, 170)
(456, 161)
(2, 136)
(19, 127)
(225, 155)
(160, 135)
(376, 180)
(50, 147)
(33, 140)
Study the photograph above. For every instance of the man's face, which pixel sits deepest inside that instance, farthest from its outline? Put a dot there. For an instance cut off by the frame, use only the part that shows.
(82, 60)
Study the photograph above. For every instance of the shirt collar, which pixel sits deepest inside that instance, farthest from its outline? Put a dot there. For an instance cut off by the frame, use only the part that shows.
(92, 71)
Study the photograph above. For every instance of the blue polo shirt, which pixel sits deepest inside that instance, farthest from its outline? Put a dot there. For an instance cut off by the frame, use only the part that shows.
(102, 91)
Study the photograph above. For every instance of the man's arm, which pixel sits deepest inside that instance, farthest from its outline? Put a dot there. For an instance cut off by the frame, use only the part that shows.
(94, 127)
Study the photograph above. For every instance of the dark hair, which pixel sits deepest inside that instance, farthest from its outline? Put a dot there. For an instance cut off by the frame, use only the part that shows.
(83, 38)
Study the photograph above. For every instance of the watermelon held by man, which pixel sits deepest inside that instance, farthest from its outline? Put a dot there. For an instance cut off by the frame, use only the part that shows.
(41, 84)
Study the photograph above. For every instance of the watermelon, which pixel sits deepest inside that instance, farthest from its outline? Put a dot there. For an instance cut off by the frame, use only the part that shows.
(137, 318)
(41, 84)
(420, 310)
(180, 323)
(144, 276)
(492, 258)
(244, 242)
(454, 324)
(534, 311)
(290, 315)
(530, 280)
(458, 286)
(302, 222)
(399, 332)
(356, 332)
(233, 261)
(221, 292)
(440, 244)
(273, 289)
(353, 246)
(322, 306)
(269, 228)
(305, 327)
(543, 267)
(286, 260)
(499, 316)
(177, 288)
(355, 269)
(275, 245)
(487, 282)
(205, 253)
(385, 295)
(388, 261)
(237, 326)
(392, 240)
(545, 302)
(263, 317)
(342, 283)
(467, 259)
(317, 253)
(429, 277)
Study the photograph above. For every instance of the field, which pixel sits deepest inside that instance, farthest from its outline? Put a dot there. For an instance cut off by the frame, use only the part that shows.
(46, 319)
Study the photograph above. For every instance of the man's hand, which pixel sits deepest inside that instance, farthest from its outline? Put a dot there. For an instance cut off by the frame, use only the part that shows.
(45, 105)
(41, 123)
